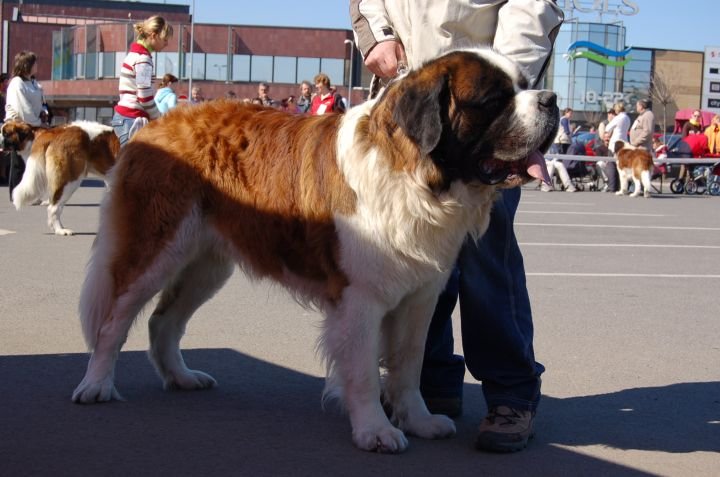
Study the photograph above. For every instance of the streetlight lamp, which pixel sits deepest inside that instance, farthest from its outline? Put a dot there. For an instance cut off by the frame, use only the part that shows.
(350, 73)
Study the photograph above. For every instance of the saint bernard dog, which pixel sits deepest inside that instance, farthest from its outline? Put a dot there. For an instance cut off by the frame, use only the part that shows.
(634, 163)
(361, 215)
(57, 160)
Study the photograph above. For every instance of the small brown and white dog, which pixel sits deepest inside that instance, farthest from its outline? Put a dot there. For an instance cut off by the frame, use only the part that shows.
(57, 160)
(634, 163)
(361, 215)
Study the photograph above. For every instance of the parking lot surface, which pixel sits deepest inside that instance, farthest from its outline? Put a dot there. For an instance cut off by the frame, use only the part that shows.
(627, 323)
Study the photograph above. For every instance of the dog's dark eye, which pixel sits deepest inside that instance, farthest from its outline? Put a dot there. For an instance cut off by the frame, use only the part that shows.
(523, 83)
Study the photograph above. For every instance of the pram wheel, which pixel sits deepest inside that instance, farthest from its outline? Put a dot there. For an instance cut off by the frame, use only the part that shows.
(677, 186)
(714, 188)
(691, 188)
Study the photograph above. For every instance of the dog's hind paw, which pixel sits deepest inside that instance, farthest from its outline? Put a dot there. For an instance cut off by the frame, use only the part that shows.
(64, 232)
(434, 426)
(189, 380)
(387, 440)
(92, 392)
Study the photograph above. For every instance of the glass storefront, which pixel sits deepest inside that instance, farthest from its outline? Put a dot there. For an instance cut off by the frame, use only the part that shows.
(592, 69)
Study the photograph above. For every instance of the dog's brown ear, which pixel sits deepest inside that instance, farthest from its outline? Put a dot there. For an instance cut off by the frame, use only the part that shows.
(419, 111)
(619, 145)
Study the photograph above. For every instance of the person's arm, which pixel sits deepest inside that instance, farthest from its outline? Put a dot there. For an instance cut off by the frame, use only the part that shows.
(685, 129)
(565, 122)
(376, 38)
(172, 101)
(612, 124)
(526, 33)
(145, 90)
(12, 102)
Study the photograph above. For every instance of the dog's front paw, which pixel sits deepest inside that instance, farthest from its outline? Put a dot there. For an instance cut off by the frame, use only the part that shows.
(386, 440)
(433, 426)
(189, 381)
(89, 392)
(64, 232)
(619, 193)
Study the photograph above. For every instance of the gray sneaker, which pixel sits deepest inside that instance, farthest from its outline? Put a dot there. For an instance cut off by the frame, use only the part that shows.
(505, 430)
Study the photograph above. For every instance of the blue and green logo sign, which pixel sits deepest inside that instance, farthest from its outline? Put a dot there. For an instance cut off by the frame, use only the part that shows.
(598, 54)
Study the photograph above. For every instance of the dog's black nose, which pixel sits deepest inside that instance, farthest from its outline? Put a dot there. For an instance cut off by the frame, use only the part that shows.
(547, 99)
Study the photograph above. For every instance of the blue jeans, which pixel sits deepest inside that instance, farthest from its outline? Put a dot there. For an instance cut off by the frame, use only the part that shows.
(122, 124)
(496, 320)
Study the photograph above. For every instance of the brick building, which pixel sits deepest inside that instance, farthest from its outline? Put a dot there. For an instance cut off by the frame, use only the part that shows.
(81, 44)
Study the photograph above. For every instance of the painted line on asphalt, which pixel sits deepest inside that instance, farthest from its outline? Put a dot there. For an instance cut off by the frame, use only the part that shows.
(618, 275)
(613, 245)
(600, 226)
(620, 214)
(6, 232)
(577, 204)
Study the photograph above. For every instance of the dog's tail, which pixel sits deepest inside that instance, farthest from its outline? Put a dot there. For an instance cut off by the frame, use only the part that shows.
(97, 296)
(33, 185)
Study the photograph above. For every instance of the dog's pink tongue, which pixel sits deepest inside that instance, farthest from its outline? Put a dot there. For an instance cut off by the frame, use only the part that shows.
(536, 167)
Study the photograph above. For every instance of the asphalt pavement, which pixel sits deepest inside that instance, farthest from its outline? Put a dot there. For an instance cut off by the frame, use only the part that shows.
(627, 323)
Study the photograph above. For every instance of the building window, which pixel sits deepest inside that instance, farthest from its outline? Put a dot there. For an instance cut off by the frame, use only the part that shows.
(79, 65)
(197, 65)
(261, 68)
(284, 69)
(307, 68)
(335, 69)
(167, 63)
(241, 68)
(217, 67)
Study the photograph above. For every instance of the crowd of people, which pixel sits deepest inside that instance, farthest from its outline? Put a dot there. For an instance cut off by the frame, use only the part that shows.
(696, 139)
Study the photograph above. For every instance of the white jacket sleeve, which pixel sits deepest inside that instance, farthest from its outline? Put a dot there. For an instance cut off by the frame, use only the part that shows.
(370, 23)
(526, 33)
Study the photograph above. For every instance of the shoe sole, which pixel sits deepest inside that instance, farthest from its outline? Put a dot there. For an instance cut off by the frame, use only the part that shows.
(502, 447)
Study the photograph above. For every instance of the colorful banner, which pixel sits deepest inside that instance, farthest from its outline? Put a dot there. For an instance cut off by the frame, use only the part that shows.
(573, 54)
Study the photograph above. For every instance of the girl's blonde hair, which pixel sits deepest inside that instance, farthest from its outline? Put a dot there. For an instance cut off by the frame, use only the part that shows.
(155, 24)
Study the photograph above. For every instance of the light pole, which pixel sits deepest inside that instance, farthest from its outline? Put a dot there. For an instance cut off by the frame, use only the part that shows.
(350, 73)
(192, 49)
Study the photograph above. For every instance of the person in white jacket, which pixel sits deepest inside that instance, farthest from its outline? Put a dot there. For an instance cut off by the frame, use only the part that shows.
(619, 126)
(24, 102)
(489, 279)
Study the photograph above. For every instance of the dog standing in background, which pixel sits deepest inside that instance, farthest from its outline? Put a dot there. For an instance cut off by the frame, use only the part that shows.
(57, 160)
(634, 163)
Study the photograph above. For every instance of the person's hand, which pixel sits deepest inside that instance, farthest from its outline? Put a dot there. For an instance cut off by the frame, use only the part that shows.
(386, 58)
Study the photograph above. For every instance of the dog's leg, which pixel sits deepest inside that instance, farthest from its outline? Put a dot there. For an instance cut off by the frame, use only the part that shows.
(59, 195)
(113, 294)
(645, 178)
(403, 356)
(636, 183)
(351, 344)
(194, 285)
(622, 176)
(98, 385)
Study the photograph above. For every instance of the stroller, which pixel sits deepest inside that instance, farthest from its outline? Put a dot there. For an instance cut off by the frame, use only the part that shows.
(704, 179)
(583, 174)
(698, 178)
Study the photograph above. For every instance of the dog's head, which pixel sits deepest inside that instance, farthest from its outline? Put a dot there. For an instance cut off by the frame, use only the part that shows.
(470, 111)
(16, 135)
